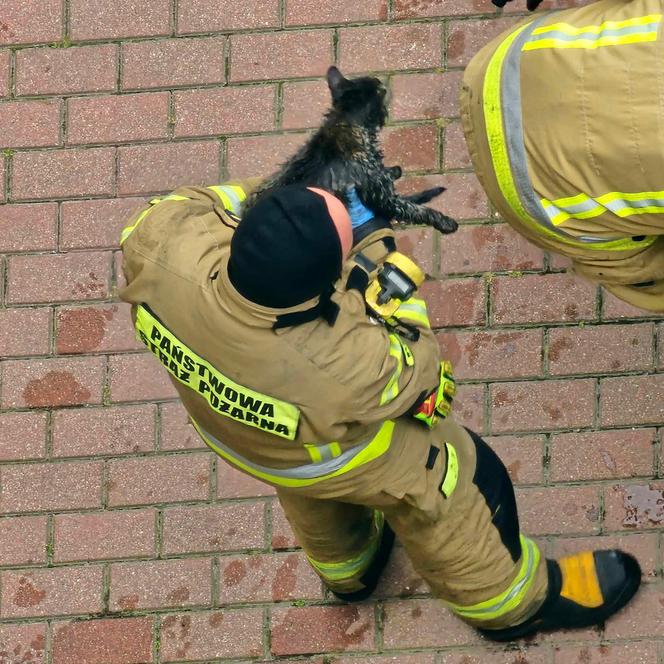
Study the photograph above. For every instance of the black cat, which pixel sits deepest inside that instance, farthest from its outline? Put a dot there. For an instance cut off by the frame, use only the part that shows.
(344, 152)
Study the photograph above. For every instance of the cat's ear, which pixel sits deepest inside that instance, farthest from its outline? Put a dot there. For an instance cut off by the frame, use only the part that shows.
(335, 79)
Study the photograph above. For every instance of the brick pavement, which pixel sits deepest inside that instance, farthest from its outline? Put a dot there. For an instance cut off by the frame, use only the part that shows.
(122, 540)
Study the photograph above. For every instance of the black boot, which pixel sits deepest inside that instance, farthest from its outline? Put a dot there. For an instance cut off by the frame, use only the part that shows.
(584, 590)
(372, 575)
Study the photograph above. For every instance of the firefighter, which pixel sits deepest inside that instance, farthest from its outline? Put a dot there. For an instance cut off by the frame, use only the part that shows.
(562, 116)
(274, 329)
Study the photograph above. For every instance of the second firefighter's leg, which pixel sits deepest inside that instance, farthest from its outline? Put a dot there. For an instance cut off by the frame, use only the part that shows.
(348, 545)
(461, 531)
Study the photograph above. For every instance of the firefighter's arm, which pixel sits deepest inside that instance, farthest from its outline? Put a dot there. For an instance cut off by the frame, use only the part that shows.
(229, 195)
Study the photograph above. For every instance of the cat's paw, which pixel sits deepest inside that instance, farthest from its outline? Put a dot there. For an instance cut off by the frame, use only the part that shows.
(440, 222)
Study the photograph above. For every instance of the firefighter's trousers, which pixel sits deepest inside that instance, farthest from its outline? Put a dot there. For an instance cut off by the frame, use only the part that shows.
(453, 510)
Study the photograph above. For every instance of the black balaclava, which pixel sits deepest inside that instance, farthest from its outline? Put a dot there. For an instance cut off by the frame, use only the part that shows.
(286, 250)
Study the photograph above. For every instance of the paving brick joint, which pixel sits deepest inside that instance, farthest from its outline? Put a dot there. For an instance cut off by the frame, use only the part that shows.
(122, 539)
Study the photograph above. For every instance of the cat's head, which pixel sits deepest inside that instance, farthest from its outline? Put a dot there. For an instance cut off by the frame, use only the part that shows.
(361, 101)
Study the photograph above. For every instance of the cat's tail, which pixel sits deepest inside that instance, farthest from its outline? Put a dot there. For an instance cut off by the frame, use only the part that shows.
(425, 196)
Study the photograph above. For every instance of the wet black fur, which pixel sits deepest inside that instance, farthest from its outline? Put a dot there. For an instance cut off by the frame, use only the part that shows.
(345, 152)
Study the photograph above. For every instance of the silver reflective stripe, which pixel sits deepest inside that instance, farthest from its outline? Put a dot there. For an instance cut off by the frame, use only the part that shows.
(306, 472)
(576, 208)
(234, 198)
(325, 452)
(619, 204)
(596, 36)
(510, 96)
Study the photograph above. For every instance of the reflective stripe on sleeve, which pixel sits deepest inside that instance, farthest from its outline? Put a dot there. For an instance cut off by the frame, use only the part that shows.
(516, 592)
(391, 390)
(128, 230)
(231, 195)
(415, 310)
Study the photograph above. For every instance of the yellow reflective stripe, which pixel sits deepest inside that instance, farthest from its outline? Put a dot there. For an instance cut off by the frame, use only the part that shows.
(128, 230)
(374, 449)
(223, 197)
(335, 449)
(493, 117)
(357, 565)
(516, 592)
(407, 353)
(222, 394)
(607, 25)
(239, 192)
(452, 473)
(391, 390)
(231, 195)
(591, 44)
(314, 452)
(413, 309)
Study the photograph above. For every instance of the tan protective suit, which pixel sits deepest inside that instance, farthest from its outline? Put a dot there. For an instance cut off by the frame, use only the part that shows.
(323, 413)
(563, 119)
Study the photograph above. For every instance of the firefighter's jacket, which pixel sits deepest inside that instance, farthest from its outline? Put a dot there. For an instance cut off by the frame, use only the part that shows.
(563, 118)
(292, 406)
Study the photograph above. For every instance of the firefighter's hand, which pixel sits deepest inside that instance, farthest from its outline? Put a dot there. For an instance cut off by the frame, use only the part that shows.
(438, 404)
(531, 4)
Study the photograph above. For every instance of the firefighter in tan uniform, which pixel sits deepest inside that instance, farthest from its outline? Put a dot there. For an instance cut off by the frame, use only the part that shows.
(262, 322)
(563, 118)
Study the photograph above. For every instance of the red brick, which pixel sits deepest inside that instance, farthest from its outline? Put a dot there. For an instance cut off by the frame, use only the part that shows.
(260, 155)
(64, 173)
(157, 168)
(59, 277)
(25, 641)
(464, 198)
(28, 23)
(5, 59)
(117, 118)
(22, 541)
(23, 435)
(598, 455)
(601, 349)
(466, 38)
(542, 405)
(149, 64)
(224, 15)
(522, 456)
(229, 110)
(418, 244)
(488, 247)
(103, 431)
(30, 123)
(106, 641)
(55, 71)
(419, 658)
(175, 430)
(282, 533)
(139, 377)
(660, 343)
(561, 509)
(381, 47)
(641, 618)
(86, 329)
(643, 546)
(613, 308)
(49, 486)
(481, 355)
(230, 527)
(164, 479)
(304, 104)
(28, 227)
(104, 535)
(518, 656)
(120, 280)
(455, 302)
(404, 9)
(469, 407)
(425, 96)
(644, 652)
(3, 169)
(232, 483)
(311, 629)
(51, 592)
(160, 584)
(95, 224)
(280, 55)
(210, 635)
(25, 331)
(634, 505)
(399, 578)
(535, 298)
(414, 148)
(98, 19)
(455, 153)
(52, 382)
(632, 400)
(273, 577)
(423, 623)
(316, 13)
